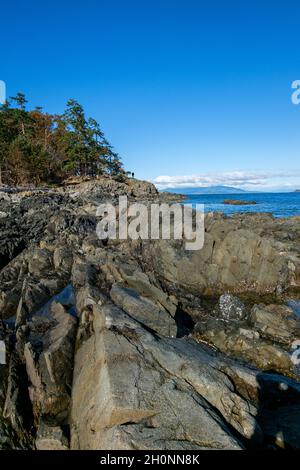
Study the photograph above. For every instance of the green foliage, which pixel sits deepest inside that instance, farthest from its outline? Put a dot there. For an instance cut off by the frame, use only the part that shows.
(36, 147)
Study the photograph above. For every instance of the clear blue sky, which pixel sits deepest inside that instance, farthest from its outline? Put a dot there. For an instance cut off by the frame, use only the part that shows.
(181, 88)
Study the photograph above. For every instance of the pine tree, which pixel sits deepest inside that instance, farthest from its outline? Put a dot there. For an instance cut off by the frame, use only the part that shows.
(37, 147)
(20, 100)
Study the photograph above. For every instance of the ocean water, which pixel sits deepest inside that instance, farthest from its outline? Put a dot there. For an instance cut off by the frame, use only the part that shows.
(278, 204)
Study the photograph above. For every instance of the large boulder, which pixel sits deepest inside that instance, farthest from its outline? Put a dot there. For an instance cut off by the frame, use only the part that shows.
(132, 390)
(236, 258)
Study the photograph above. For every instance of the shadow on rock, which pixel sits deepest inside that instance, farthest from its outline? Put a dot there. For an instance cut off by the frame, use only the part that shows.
(278, 412)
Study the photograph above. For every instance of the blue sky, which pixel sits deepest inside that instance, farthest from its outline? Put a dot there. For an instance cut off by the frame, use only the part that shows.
(188, 92)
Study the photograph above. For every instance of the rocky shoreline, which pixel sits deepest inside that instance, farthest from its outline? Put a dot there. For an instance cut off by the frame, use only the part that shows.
(141, 344)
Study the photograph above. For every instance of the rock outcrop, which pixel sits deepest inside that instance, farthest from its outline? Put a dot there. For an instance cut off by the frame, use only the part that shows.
(241, 254)
(141, 344)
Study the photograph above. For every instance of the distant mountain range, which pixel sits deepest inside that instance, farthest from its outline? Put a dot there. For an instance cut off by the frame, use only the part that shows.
(207, 190)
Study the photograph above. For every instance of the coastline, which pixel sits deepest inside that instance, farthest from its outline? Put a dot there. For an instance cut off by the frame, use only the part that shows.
(191, 327)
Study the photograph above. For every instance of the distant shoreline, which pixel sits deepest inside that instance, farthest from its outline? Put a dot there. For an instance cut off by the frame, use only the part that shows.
(280, 205)
(244, 193)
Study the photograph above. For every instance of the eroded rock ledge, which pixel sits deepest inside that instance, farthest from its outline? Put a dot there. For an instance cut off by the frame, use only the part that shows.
(140, 344)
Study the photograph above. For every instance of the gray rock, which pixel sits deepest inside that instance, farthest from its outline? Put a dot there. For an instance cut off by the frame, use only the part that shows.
(2, 352)
(139, 281)
(276, 322)
(124, 396)
(144, 310)
(51, 438)
(135, 384)
(237, 257)
(231, 308)
(246, 345)
(49, 357)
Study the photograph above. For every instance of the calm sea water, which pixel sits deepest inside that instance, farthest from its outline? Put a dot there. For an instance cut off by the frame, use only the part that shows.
(279, 204)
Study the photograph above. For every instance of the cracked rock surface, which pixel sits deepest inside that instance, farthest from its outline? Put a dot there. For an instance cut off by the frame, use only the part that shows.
(141, 344)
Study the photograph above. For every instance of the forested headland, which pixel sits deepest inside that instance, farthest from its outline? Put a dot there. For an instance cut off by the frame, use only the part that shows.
(41, 148)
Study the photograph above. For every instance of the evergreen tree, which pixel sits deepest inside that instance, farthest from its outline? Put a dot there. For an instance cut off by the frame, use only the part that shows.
(36, 147)
(20, 100)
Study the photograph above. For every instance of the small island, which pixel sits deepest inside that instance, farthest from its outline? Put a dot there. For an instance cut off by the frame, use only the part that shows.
(237, 202)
